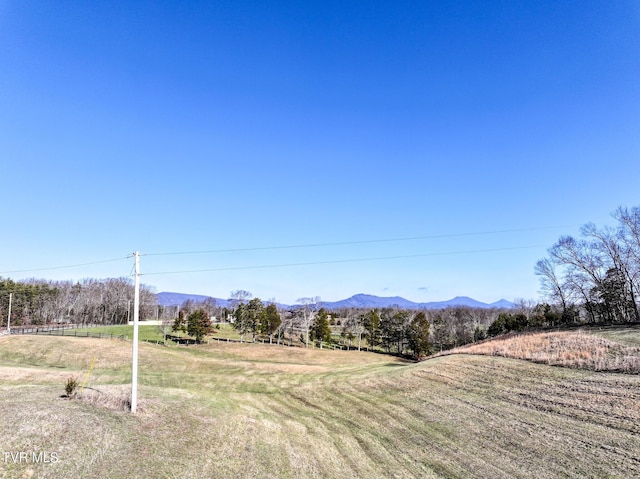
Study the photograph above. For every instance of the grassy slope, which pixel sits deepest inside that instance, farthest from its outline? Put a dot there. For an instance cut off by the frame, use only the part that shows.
(228, 410)
(584, 349)
(629, 335)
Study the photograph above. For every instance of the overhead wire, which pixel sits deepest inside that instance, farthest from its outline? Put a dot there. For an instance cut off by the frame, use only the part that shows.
(351, 260)
(299, 246)
(345, 243)
(63, 267)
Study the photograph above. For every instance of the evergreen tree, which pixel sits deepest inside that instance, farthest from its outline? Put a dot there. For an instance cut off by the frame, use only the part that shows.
(418, 335)
(199, 324)
(371, 323)
(179, 324)
(248, 317)
(270, 321)
(320, 329)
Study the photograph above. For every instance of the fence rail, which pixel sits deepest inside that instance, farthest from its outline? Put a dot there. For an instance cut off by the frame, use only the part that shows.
(64, 331)
(41, 329)
(71, 330)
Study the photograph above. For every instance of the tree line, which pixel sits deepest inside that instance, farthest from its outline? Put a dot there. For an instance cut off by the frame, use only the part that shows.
(98, 301)
(110, 301)
(392, 330)
(594, 278)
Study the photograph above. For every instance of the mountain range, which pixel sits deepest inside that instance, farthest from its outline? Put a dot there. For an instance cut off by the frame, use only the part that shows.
(355, 301)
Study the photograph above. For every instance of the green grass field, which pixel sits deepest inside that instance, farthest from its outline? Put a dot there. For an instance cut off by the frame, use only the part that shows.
(152, 333)
(628, 335)
(249, 410)
(146, 333)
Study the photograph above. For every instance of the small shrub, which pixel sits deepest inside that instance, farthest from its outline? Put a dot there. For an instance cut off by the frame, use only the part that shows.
(70, 387)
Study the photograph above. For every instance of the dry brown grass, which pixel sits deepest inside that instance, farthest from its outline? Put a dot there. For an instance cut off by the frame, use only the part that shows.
(573, 349)
(31, 375)
(65, 351)
(116, 398)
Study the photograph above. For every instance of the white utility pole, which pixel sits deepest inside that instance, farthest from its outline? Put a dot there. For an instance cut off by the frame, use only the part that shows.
(9, 315)
(136, 314)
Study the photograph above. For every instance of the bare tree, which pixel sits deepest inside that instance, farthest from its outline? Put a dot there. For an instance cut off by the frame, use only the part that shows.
(600, 272)
(102, 301)
(239, 296)
(552, 286)
(164, 327)
(619, 282)
(309, 307)
(353, 327)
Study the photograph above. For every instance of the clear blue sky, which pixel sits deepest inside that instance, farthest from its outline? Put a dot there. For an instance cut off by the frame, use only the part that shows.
(487, 128)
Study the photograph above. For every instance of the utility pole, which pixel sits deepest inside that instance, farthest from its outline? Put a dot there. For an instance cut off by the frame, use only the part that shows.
(9, 316)
(134, 355)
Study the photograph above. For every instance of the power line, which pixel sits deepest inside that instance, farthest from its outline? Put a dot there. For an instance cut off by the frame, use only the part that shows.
(352, 260)
(63, 267)
(283, 247)
(344, 243)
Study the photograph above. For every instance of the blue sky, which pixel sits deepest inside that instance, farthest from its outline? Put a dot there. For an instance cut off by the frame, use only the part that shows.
(485, 129)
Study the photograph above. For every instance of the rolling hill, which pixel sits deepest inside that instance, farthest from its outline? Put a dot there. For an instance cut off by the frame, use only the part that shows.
(355, 301)
(258, 411)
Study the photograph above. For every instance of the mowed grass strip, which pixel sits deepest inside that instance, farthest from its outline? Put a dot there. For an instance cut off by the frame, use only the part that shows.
(629, 335)
(226, 410)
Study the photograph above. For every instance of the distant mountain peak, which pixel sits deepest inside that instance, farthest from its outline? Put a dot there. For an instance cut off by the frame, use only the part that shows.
(360, 300)
(503, 303)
